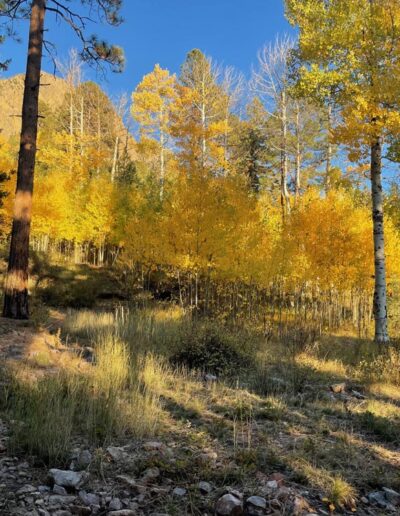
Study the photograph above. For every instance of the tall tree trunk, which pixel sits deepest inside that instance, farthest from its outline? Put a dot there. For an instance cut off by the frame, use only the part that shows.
(380, 306)
(328, 151)
(285, 201)
(298, 153)
(82, 119)
(16, 282)
(115, 160)
(71, 128)
(162, 163)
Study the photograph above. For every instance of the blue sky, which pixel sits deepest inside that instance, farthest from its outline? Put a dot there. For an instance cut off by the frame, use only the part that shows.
(163, 31)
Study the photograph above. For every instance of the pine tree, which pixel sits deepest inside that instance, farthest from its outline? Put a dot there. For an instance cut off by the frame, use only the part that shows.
(16, 283)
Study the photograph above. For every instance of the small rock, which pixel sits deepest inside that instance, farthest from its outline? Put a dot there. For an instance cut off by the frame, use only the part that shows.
(338, 387)
(84, 459)
(59, 490)
(365, 500)
(89, 498)
(391, 495)
(179, 491)
(256, 505)
(207, 457)
(358, 395)
(378, 498)
(115, 504)
(272, 484)
(72, 479)
(61, 500)
(278, 477)
(150, 474)
(131, 482)
(229, 505)
(210, 378)
(235, 492)
(43, 489)
(123, 512)
(43, 512)
(153, 446)
(81, 510)
(25, 490)
(205, 487)
(117, 454)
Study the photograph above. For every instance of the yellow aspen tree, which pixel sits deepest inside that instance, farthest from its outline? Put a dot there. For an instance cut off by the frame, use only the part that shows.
(199, 115)
(349, 51)
(151, 103)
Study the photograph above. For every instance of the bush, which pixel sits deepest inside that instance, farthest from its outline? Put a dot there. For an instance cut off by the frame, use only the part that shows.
(211, 349)
(75, 295)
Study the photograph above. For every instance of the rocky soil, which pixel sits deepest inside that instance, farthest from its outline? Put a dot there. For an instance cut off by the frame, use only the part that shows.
(125, 481)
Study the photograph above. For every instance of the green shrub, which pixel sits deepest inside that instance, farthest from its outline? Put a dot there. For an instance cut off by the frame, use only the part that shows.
(209, 348)
(74, 295)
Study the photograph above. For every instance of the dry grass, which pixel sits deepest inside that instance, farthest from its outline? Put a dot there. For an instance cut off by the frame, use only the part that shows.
(277, 415)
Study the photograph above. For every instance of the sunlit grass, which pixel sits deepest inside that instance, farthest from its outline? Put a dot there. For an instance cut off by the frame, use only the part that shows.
(134, 389)
(385, 389)
(336, 489)
(109, 399)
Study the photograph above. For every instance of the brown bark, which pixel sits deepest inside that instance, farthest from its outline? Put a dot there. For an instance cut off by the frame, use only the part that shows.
(16, 282)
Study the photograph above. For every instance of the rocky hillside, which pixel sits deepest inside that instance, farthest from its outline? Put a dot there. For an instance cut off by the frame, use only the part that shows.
(52, 93)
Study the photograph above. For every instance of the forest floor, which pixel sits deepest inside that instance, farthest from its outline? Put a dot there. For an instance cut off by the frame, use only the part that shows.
(101, 414)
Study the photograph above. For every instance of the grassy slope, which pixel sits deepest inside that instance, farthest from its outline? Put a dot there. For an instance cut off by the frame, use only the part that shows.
(277, 414)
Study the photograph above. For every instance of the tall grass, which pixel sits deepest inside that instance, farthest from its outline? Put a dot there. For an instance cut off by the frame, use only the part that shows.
(142, 330)
(111, 399)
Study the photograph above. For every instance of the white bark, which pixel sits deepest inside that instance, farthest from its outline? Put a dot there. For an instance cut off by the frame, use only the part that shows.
(162, 163)
(380, 297)
(115, 160)
(285, 199)
(328, 151)
(298, 153)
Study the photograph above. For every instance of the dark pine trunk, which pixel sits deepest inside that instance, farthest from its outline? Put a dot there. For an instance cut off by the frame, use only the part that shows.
(16, 282)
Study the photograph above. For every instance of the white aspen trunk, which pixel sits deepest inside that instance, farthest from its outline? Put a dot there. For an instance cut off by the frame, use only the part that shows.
(203, 124)
(115, 160)
(162, 155)
(82, 125)
(71, 128)
(298, 154)
(203, 136)
(285, 201)
(328, 152)
(380, 298)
